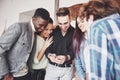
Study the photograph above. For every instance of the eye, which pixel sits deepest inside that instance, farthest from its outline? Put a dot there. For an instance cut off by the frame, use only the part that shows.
(41, 25)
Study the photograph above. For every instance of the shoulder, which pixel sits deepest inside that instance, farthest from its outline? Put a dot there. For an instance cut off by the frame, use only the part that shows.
(72, 28)
(19, 25)
(56, 30)
(107, 22)
(14, 28)
(99, 26)
(106, 26)
(40, 39)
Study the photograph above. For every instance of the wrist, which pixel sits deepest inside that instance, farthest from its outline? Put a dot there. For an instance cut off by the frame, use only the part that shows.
(66, 57)
(49, 55)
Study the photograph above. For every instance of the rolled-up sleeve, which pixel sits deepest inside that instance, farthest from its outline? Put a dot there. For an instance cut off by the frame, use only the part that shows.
(80, 68)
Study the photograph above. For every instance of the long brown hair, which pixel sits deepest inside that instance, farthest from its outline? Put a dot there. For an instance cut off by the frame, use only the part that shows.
(78, 34)
(92, 8)
(112, 6)
(99, 9)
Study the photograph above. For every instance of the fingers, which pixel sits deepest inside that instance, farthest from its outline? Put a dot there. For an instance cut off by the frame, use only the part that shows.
(48, 42)
(50, 38)
(60, 59)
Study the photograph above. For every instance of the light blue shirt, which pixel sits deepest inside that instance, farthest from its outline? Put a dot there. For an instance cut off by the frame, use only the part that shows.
(79, 61)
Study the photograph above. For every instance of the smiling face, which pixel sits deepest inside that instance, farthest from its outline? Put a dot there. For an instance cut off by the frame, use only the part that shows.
(39, 24)
(47, 31)
(84, 24)
(81, 24)
(64, 22)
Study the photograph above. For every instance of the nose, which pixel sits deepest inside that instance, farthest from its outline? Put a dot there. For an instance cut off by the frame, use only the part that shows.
(49, 32)
(63, 25)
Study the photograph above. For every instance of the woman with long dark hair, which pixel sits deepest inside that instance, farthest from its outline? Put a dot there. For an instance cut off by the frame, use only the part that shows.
(80, 46)
(87, 14)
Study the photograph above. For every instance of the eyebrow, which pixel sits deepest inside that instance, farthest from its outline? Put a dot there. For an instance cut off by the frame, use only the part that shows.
(63, 23)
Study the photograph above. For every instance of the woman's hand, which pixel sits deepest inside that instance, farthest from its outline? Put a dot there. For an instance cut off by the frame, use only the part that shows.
(48, 42)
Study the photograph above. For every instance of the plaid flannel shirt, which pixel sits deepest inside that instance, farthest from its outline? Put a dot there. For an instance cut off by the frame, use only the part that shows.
(104, 48)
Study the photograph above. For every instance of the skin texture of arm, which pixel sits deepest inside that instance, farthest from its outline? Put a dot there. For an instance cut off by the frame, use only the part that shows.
(47, 43)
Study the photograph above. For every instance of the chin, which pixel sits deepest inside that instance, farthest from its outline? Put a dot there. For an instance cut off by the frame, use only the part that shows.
(46, 36)
(83, 31)
(65, 31)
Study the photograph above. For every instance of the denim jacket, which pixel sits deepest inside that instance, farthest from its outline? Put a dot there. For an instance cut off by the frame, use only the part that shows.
(79, 61)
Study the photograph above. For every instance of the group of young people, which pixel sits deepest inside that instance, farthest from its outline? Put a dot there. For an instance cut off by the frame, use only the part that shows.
(96, 40)
(36, 50)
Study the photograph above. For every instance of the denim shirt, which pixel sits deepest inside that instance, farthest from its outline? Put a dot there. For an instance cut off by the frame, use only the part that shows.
(79, 61)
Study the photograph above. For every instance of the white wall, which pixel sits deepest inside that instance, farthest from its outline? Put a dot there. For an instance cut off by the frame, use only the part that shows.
(10, 10)
(67, 3)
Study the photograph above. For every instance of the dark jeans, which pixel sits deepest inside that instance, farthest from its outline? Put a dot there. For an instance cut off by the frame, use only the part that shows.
(26, 77)
(38, 74)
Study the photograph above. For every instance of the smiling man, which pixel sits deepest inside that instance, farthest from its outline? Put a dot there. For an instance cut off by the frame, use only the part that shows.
(60, 53)
(16, 46)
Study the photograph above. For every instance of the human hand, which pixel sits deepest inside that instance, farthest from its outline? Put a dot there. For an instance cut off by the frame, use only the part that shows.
(8, 77)
(60, 59)
(52, 57)
(48, 42)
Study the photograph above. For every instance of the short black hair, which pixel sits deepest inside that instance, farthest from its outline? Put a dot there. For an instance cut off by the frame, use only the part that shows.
(63, 11)
(43, 13)
(50, 20)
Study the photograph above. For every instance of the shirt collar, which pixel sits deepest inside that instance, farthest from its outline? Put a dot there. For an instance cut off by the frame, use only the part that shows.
(107, 17)
(114, 15)
(31, 23)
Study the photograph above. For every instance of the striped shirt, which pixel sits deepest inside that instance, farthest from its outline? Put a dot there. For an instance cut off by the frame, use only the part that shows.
(104, 48)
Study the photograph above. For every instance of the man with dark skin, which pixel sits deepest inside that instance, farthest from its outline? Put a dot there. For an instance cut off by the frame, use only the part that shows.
(16, 45)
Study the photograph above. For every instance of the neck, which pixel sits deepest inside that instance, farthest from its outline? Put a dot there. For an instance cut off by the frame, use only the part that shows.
(42, 36)
(63, 33)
